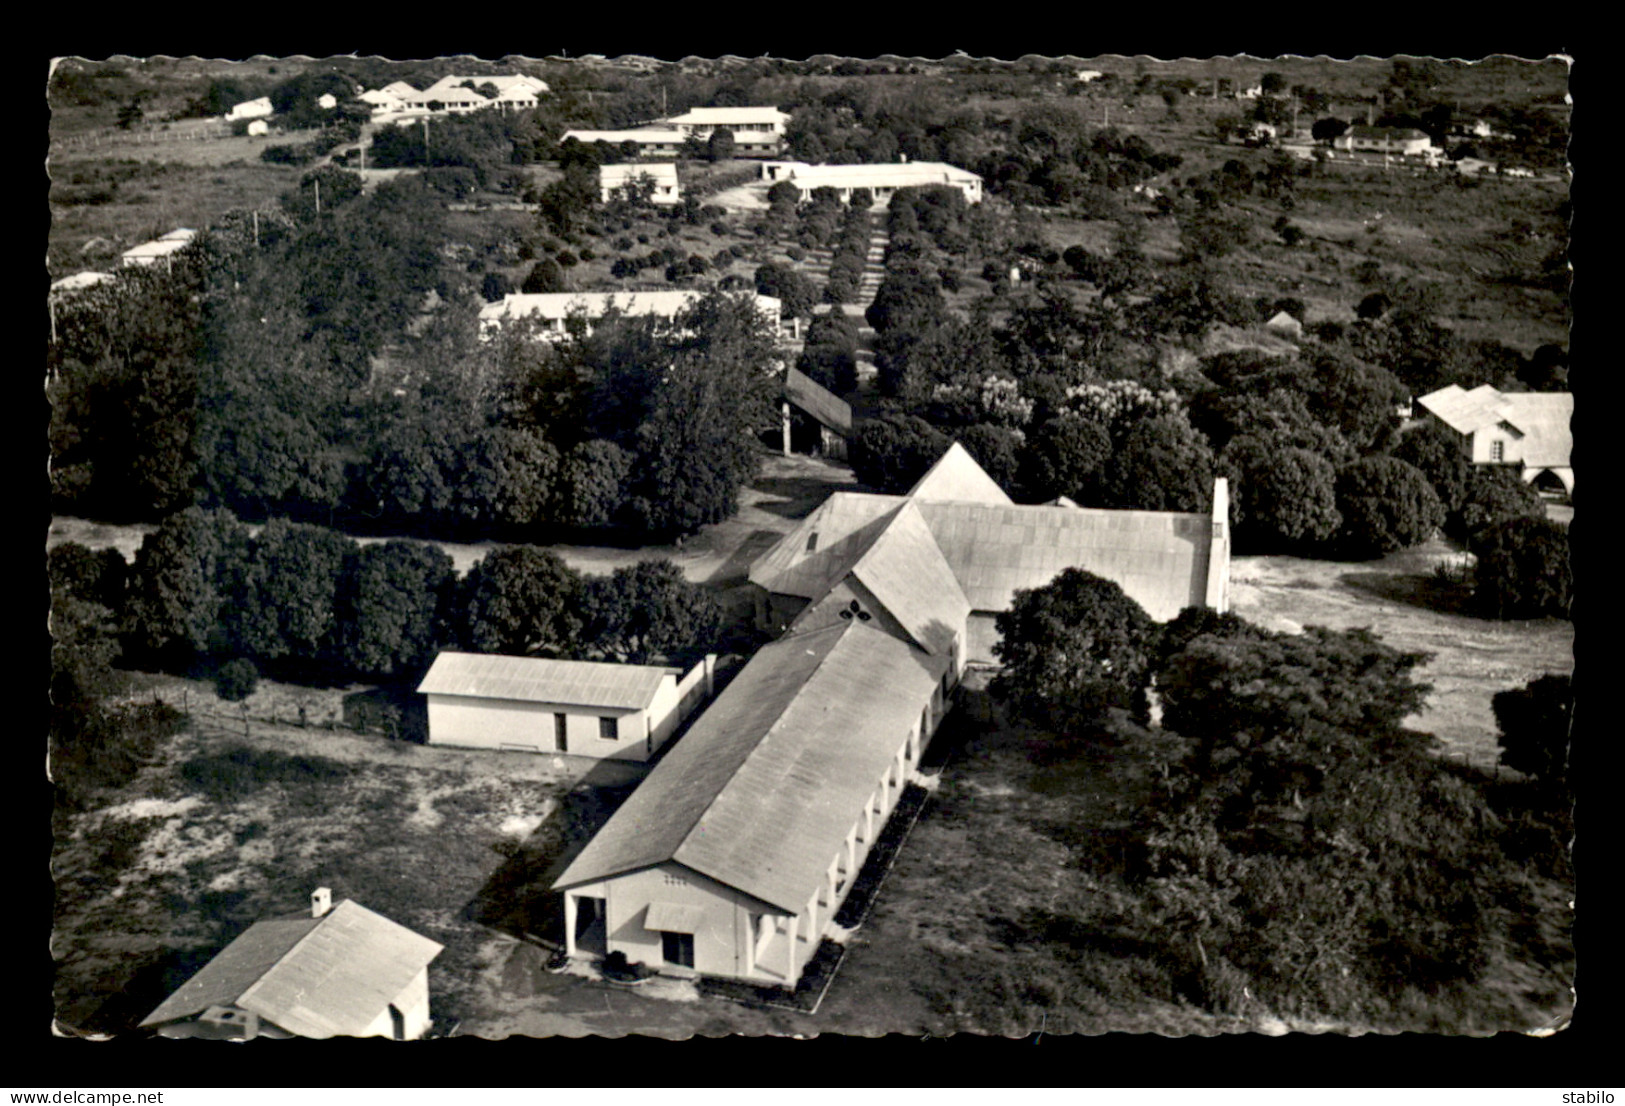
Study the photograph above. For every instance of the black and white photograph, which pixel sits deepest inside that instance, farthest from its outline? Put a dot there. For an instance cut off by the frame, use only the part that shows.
(635, 546)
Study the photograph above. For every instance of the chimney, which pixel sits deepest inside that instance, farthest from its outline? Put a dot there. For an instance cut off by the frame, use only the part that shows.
(321, 901)
(710, 674)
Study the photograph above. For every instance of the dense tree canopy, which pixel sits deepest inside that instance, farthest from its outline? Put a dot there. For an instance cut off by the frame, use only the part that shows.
(1386, 505)
(648, 611)
(1523, 569)
(519, 600)
(1534, 723)
(1072, 649)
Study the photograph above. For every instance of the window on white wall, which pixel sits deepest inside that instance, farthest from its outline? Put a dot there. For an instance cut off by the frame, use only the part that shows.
(609, 729)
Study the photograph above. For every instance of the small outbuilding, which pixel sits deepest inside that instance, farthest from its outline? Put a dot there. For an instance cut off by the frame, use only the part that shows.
(831, 414)
(251, 109)
(340, 971)
(539, 705)
(258, 127)
(1285, 326)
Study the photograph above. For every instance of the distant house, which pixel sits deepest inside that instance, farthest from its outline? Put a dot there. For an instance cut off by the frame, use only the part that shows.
(550, 311)
(537, 705)
(651, 141)
(250, 109)
(1251, 92)
(1285, 325)
(828, 411)
(1384, 140)
(1529, 430)
(257, 127)
(452, 94)
(159, 249)
(340, 971)
(327, 101)
(882, 181)
(1087, 75)
(703, 122)
(736, 854)
(662, 181)
(78, 282)
(382, 101)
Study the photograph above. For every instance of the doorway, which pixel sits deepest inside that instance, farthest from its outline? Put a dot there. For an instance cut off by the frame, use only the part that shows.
(397, 1023)
(561, 733)
(592, 931)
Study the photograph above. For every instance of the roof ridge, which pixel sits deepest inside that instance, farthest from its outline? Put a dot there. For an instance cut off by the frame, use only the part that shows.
(839, 628)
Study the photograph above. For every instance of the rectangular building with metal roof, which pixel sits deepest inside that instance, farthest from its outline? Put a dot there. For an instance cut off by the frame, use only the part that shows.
(540, 705)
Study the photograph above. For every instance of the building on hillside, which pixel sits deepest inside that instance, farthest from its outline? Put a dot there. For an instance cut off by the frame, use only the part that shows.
(551, 311)
(735, 854)
(250, 109)
(382, 101)
(537, 705)
(159, 249)
(327, 101)
(881, 180)
(1384, 140)
(1251, 92)
(703, 122)
(661, 180)
(78, 282)
(512, 92)
(1528, 430)
(1285, 325)
(451, 100)
(257, 127)
(340, 971)
(1165, 561)
(1089, 75)
(651, 142)
(828, 413)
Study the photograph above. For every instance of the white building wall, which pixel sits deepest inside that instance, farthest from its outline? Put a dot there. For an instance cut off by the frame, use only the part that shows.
(497, 723)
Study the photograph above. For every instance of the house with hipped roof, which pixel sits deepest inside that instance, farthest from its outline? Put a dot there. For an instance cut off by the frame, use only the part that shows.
(340, 971)
(734, 855)
(1526, 430)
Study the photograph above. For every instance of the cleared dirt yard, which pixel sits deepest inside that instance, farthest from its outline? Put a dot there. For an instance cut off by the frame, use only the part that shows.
(1399, 601)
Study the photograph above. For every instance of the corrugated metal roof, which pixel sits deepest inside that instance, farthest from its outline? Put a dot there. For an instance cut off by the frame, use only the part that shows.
(905, 569)
(1544, 419)
(650, 826)
(909, 174)
(1159, 558)
(222, 981)
(818, 401)
(761, 792)
(542, 680)
(316, 977)
(1464, 411)
(822, 548)
(342, 975)
(957, 478)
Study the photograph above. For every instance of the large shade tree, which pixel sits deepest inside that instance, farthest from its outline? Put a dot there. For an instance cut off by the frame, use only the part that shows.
(519, 600)
(1071, 650)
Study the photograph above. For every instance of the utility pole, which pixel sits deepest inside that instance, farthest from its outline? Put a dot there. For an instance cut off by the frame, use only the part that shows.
(256, 230)
(425, 141)
(318, 185)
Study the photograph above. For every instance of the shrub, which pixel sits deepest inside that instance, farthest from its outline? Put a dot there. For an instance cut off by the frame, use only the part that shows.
(236, 680)
(719, 228)
(1387, 505)
(1534, 727)
(1523, 569)
(796, 253)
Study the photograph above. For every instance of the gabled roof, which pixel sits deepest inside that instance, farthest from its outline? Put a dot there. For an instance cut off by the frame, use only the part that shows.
(1159, 558)
(823, 547)
(1465, 411)
(906, 571)
(1544, 418)
(79, 281)
(762, 791)
(957, 478)
(1281, 320)
(399, 88)
(993, 546)
(543, 680)
(908, 174)
(316, 977)
(818, 401)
